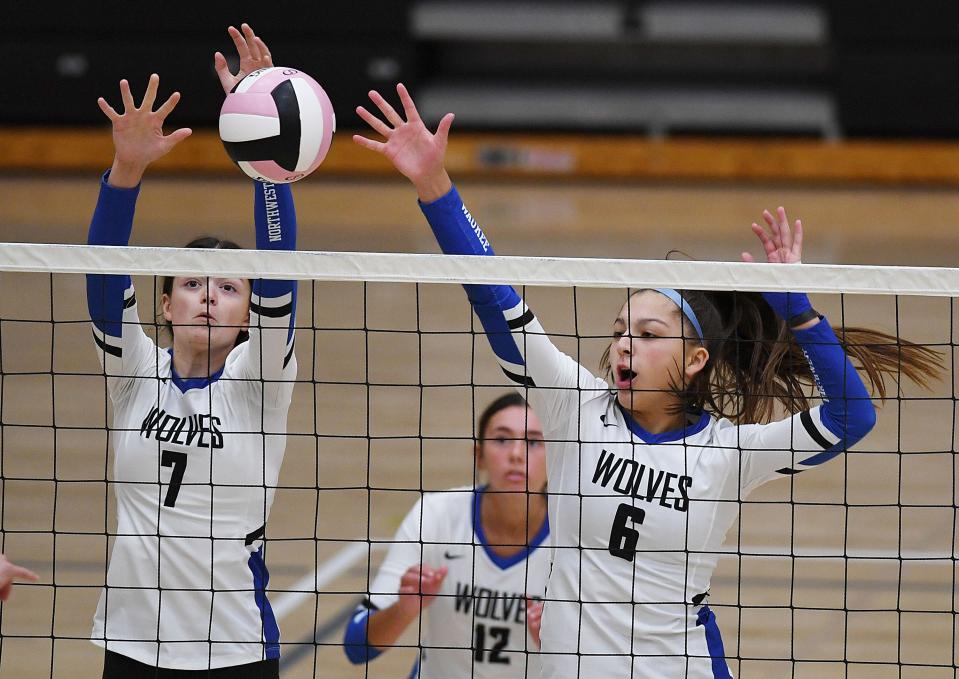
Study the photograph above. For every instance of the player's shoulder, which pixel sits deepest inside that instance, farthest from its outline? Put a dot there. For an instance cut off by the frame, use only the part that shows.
(450, 501)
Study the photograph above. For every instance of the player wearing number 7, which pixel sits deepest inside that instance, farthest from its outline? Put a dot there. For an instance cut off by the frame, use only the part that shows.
(198, 430)
(645, 477)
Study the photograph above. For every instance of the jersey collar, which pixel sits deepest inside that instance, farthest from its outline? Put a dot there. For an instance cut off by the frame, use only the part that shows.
(184, 384)
(666, 436)
(503, 562)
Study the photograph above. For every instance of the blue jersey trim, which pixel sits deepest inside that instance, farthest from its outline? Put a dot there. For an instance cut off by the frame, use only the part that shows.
(503, 562)
(261, 578)
(184, 384)
(666, 436)
(714, 642)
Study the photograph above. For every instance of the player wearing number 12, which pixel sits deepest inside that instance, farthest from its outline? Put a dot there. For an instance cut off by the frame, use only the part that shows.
(646, 477)
(472, 560)
(198, 431)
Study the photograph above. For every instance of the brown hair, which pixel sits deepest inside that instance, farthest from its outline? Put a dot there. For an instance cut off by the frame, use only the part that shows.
(507, 400)
(754, 362)
(208, 242)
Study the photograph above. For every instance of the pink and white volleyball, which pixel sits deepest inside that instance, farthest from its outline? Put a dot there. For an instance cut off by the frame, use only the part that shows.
(277, 124)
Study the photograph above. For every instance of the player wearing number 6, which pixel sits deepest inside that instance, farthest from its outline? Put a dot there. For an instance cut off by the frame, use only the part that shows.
(646, 477)
(198, 429)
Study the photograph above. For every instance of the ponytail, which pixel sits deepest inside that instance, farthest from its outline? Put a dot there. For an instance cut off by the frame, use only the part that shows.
(755, 364)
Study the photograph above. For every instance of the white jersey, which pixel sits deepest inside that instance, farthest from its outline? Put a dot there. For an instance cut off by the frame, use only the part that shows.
(196, 467)
(638, 519)
(476, 626)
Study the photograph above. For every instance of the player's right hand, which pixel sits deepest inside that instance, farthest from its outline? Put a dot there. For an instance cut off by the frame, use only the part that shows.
(419, 585)
(417, 153)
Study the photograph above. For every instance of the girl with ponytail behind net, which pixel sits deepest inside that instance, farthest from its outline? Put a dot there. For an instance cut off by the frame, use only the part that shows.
(754, 363)
(647, 475)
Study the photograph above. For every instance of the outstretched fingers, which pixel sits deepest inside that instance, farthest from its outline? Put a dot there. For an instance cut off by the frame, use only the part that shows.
(168, 106)
(108, 110)
(239, 41)
(797, 240)
(386, 109)
(265, 55)
(764, 238)
(251, 44)
(409, 108)
(150, 96)
(177, 136)
(370, 144)
(222, 68)
(126, 96)
(443, 129)
(374, 122)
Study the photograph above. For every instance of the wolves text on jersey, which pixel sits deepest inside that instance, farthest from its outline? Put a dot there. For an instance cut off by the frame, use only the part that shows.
(491, 604)
(631, 478)
(198, 430)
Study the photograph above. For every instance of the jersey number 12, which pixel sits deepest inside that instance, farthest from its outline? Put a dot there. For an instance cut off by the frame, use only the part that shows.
(623, 538)
(495, 654)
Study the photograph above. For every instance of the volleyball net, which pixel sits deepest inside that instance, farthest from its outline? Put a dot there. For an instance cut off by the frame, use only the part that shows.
(848, 570)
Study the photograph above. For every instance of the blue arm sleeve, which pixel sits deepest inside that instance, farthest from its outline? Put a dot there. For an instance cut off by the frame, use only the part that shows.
(847, 410)
(112, 224)
(355, 642)
(458, 233)
(275, 218)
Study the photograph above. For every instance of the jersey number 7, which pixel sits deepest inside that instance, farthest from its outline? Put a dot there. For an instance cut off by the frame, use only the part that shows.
(623, 538)
(177, 460)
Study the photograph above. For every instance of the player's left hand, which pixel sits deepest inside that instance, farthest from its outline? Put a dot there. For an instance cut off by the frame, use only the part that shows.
(253, 53)
(782, 244)
(534, 618)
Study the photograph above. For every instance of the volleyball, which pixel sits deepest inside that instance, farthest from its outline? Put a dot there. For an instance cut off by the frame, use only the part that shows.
(277, 124)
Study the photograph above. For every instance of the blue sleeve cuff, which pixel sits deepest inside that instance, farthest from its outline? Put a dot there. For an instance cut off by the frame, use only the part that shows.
(355, 643)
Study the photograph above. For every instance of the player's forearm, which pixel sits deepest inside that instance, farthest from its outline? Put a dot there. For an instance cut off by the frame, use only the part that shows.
(125, 175)
(274, 215)
(847, 410)
(112, 224)
(386, 626)
(112, 221)
(433, 187)
(275, 221)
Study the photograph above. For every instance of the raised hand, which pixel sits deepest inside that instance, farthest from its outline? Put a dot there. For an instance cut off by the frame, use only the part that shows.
(419, 586)
(534, 619)
(782, 245)
(10, 572)
(417, 153)
(253, 53)
(138, 137)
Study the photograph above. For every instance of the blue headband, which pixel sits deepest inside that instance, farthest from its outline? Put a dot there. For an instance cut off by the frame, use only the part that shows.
(683, 305)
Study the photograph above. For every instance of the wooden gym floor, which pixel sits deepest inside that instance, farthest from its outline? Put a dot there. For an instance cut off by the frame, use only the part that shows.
(872, 505)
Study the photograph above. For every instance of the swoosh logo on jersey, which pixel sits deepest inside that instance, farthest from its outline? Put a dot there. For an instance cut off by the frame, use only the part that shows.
(602, 418)
(453, 556)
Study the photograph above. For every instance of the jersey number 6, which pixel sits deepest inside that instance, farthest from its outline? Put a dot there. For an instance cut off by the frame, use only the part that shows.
(177, 460)
(623, 538)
